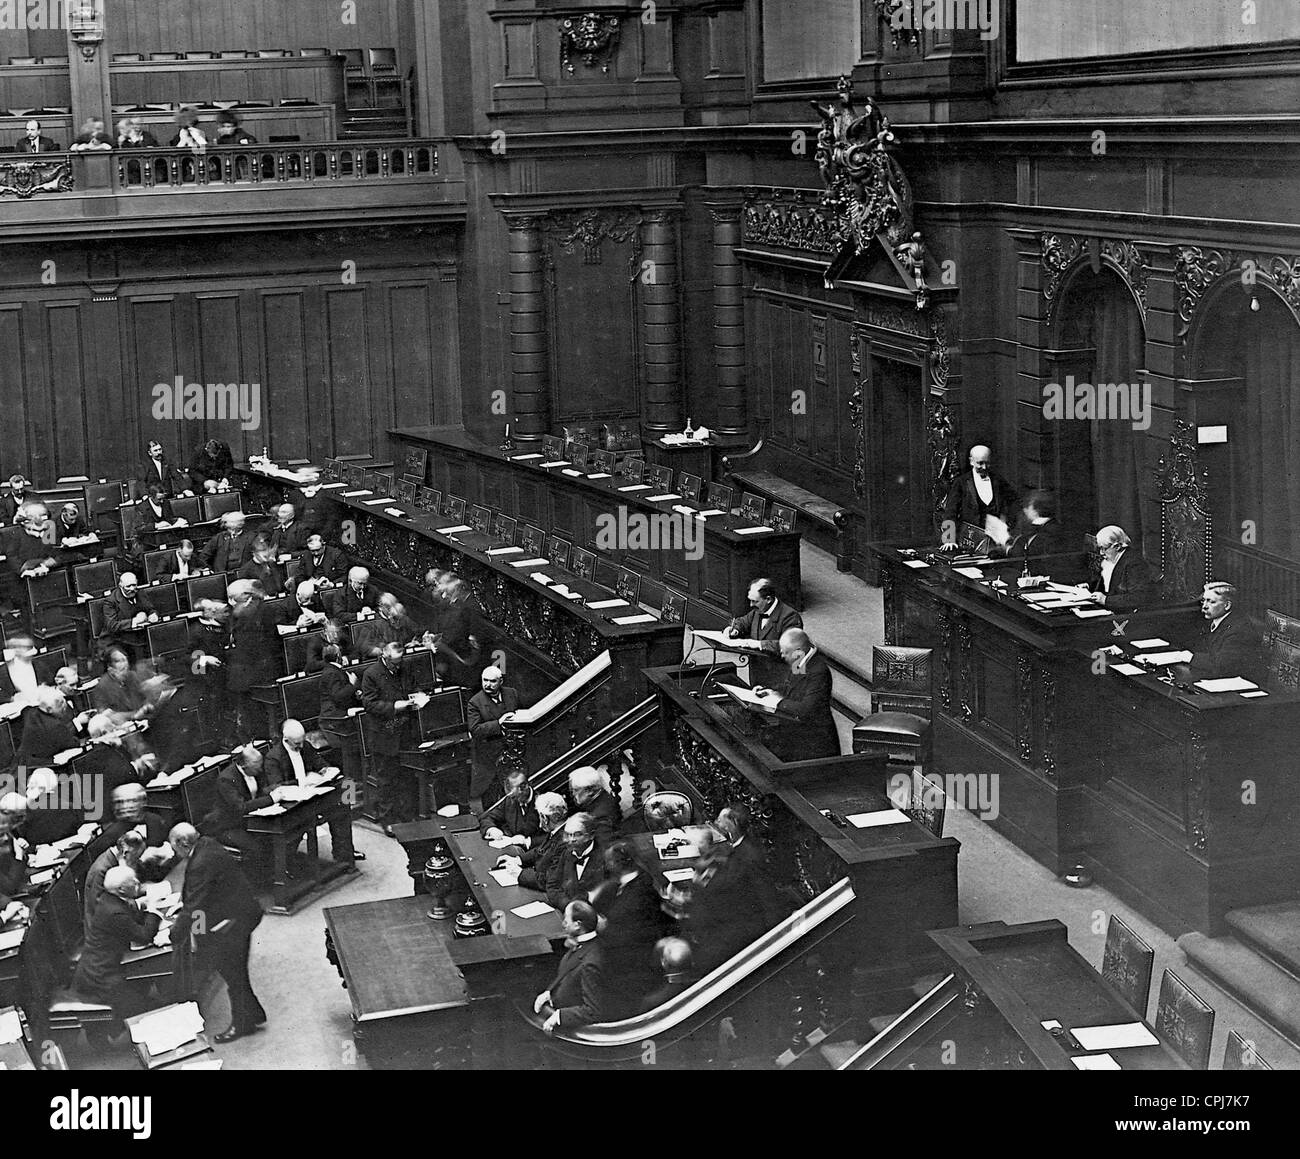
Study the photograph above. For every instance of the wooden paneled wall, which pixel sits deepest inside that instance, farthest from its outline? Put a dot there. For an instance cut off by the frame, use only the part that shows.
(337, 362)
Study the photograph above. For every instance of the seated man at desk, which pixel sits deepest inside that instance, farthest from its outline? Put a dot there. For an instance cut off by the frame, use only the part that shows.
(1124, 580)
(69, 523)
(13, 863)
(155, 509)
(263, 568)
(582, 864)
(49, 821)
(211, 466)
(592, 794)
(515, 815)
(1228, 645)
(976, 494)
(301, 610)
(326, 566)
(127, 851)
(578, 995)
(332, 633)
(129, 812)
(292, 761)
(241, 788)
(157, 469)
(47, 728)
(803, 728)
(180, 564)
(767, 618)
(24, 546)
(108, 761)
(1044, 545)
(123, 611)
(391, 625)
(356, 595)
(118, 690)
(231, 547)
(119, 922)
(539, 865)
(288, 536)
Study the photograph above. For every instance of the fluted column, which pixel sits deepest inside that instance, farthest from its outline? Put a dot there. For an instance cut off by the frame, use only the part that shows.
(732, 413)
(661, 321)
(530, 387)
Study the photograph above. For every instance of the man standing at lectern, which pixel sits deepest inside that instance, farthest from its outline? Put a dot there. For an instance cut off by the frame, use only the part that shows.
(975, 494)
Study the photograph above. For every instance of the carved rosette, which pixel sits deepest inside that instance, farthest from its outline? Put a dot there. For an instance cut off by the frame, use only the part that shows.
(25, 179)
(1025, 708)
(1196, 270)
(592, 36)
(1196, 775)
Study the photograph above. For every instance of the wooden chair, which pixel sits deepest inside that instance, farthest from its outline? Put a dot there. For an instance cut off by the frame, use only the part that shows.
(1127, 964)
(899, 725)
(670, 805)
(1239, 1054)
(1185, 1021)
(1281, 651)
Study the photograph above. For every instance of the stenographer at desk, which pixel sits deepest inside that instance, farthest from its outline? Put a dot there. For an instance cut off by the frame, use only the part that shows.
(802, 727)
(1228, 645)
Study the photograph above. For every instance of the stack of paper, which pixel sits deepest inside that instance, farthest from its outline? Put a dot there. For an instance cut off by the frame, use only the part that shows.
(880, 817)
(453, 530)
(505, 550)
(752, 530)
(1117, 1037)
(641, 619)
(1227, 684)
(11, 938)
(1095, 1062)
(354, 494)
(522, 563)
(11, 1027)
(637, 487)
(598, 605)
(1162, 658)
(168, 1028)
(556, 463)
(523, 458)
(505, 877)
(375, 502)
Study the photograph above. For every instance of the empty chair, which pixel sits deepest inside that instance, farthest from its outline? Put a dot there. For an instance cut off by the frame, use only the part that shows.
(353, 60)
(54, 60)
(1127, 963)
(272, 53)
(313, 52)
(234, 54)
(900, 694)
(164, 56)
(1239, 1054)
(123, 57)
(200, 55)
(22, 60)
(1184, 1021)
(383, 61)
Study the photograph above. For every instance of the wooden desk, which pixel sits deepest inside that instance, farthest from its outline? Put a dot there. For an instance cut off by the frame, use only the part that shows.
(1006, 981)
(283, 831)
(197, 1045)
(569, 507)
(1139, 780)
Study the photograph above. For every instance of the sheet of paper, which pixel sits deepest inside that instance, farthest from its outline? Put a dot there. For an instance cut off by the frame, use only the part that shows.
(393, 511)
(709, 511)
(682, 509)
(505, 551)
(332, 486)
(556, 463)
(1253, 695)
(571, 471)
(1227, 684)
(504, 877)
(524, 458)
(541, 577)
(1039, 597)
(269, 811)
(747, 696)
(203, 1064)
(449, 811)
(599, 475)
(1091, 613)
(878, 818)
(528, 562)
(375, 502)
(11, 938)
(641, 619)
(453, 530)
(1126, 669)
(637, 487)
(1162, 658)
(1095, 1062)
(1117, 1037)
(969, 572)
(11, 1027)
(599, 605)
(666, 497)
(355, 494)
(915, 563)
(679, 874)
(718, 639)
(753, 530)
(534, 909)
(168, 1028)
(1156, 643)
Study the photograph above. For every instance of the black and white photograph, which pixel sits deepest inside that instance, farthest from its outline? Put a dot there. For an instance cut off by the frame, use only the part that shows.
(651, 535)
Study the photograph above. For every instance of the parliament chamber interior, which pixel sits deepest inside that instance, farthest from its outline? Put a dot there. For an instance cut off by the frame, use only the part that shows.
(702, 535)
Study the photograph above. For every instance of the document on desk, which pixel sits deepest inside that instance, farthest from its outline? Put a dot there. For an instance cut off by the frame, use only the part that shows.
(623, 621)
(524, 458)
(397, 511)
(718, 639)
(746, 696)
(676, 875)
(572, 472)
(666, 497)
(1163, 658)
(1117, 1037)
(638, 487)
(453, 530)
(505, 551)
(11, 1027)
(709, 512)
(534, 909)
(521, 563)
(268, 811)
(331, 486)
(1253, 695)
(376, 502)
(541, 577)
(1095, 1062)
(915, 563)
(1126, 669)
(556, 463)
(878, 818)
(1091, 613)
(753, 530)
(355, 494)
(505, 877)
(599, 475)
(600, 605)
(969, 572)
(1146, 645)
(11, 938)
(204, 1064)
(168, 1028)
(1227, 684)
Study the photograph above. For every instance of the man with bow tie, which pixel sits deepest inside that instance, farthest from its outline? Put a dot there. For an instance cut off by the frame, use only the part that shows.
(231, 547)
(578, 994)
(486, 712)
(759, 630)
(582, 864)
(158, 469)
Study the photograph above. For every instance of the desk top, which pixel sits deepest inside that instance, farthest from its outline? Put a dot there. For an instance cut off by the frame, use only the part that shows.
(727, 527)
(14, 1056)
(395, 959)
(1032, 974)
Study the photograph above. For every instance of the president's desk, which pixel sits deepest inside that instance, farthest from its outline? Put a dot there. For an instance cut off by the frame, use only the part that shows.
(1182, 802)
(570, 506)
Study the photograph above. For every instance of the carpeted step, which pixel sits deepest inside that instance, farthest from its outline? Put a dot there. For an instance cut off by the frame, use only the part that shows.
(1269, 992)
(838, 1053)
(1273, 930)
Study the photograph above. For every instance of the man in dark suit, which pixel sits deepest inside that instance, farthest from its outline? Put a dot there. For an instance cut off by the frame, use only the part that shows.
(47, 729)
(129, 812)
(483, 717)
(241, 789)
(47, 822)
(515, 815)
(332, 633)
(288, 536)
(292, 761)
(13, 862)
(578, 995)
(11, 501)
(218, 914)
(391, 625)
(582, 864)
(355, 595)
(590, 792)
(459, 651)
(209, 646)
(1124, 581)
(389, 694)
(339, 695)
(26, 545)
(263, 567)
(635, 920)
(539, 864)
(231, 547)
(158, 469)
(70, 524)
(674, 956)
(314, 506)
(766, 619)
(803, 727)
(1229, 643)
(1044, 544)
(180, 564)
(211, 466)
(123, 613)
(327, 566)
(125, 851)
(254, 657)
(118, 690)
(974, 495)
(117, 922)
(33, 142)
(725, 911)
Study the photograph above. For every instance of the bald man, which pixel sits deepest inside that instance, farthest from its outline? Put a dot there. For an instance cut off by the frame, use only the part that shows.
(288, 536)
(129, 812)
(231, 547)
(118, 922)
(484, 715)
(123, 612)
(355, 595)
(803, 728)
(976, 494)
(292, 761)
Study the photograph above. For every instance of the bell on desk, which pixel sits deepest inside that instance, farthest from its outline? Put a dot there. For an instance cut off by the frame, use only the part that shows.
(470, 922)
(438, 871)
